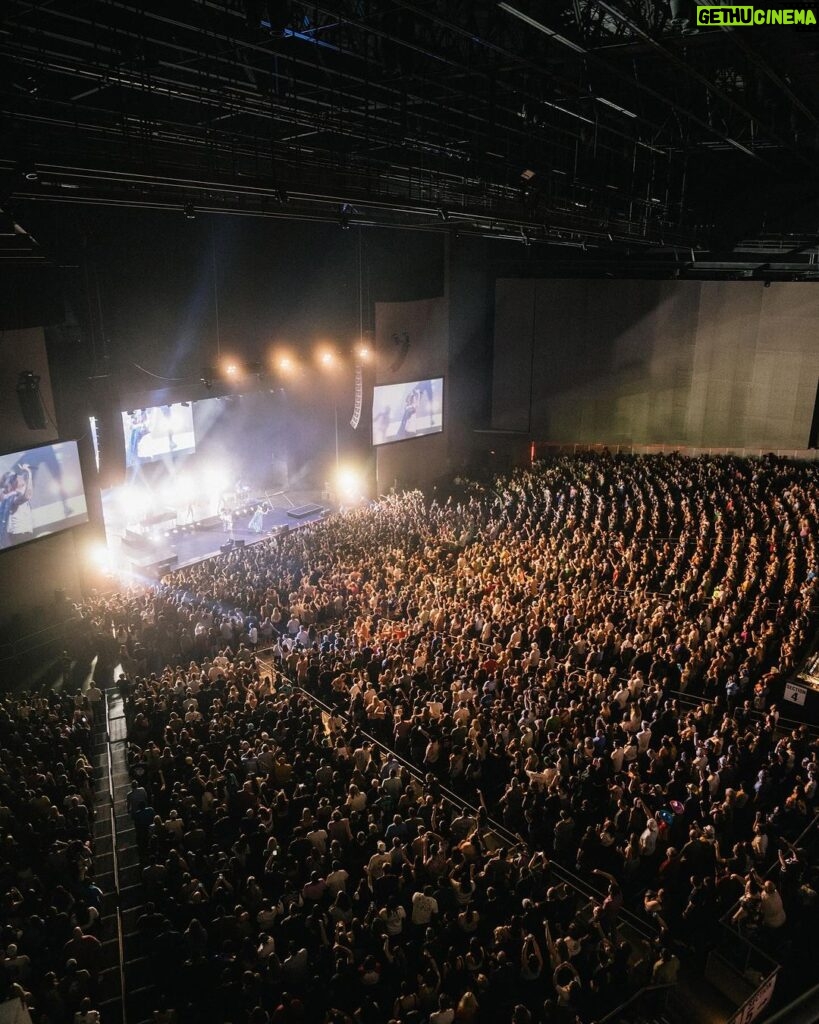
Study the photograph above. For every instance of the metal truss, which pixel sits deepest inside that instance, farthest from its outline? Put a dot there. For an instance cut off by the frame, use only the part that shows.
(472, 115)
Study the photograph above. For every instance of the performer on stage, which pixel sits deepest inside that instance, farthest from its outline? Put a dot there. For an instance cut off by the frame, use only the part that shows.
(256, 524)
(16, 518)
(137, 429)
(412, 403)
(227, 522)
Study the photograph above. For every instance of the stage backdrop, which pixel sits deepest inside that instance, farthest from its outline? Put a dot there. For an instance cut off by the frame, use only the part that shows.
(706, 363)
(412, 343)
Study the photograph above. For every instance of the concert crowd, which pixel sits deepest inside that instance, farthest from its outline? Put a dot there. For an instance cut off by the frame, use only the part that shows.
(510, 756)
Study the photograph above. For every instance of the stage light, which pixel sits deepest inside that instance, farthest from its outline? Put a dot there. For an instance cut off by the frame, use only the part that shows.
(364, 353)
(349, 486)
(285, 364)
(231, 370)
(327, 358)
(100, 557)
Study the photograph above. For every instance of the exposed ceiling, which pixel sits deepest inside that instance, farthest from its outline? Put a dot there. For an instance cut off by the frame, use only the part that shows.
(607, 128)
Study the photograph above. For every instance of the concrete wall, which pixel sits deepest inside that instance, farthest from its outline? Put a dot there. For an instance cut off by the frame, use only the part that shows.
(30, 575)
(656, 362)
(419, 461)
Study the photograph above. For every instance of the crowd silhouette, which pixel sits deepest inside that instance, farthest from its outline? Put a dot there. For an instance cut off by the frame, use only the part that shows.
(370, 756)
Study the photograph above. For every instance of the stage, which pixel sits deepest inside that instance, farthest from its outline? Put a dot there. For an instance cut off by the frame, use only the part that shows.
(164, 541)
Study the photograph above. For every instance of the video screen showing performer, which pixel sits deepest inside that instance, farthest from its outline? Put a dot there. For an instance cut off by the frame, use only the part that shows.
(41, 492)
(156, 431)
(402, 411)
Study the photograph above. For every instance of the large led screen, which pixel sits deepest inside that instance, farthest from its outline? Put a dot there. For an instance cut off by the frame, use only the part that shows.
(160, 430)
(402, 411)
(41, 492)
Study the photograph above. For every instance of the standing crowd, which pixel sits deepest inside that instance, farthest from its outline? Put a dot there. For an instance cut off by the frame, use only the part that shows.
(574, 671)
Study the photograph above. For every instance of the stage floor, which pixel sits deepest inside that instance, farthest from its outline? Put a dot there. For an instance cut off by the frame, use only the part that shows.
(194, 543)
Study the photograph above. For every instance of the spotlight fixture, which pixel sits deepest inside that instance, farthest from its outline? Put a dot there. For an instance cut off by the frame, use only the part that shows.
(344, 216)
(189, 211)
(443, 213)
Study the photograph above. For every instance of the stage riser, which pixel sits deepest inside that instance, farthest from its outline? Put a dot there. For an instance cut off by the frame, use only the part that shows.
(303, 511)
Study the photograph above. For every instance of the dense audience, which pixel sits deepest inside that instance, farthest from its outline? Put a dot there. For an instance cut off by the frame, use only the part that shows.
(51, 957)
(529, 646)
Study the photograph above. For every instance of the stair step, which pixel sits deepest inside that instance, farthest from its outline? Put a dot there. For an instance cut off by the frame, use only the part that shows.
(139, 974)
(127, 857)
(130, 895)
(130, 876)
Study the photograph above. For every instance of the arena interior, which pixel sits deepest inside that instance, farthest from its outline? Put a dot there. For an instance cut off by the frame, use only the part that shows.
(409, 512)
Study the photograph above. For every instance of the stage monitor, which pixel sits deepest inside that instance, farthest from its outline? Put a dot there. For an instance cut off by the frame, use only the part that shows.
(157, 431)
(403, 411)
(41, 492)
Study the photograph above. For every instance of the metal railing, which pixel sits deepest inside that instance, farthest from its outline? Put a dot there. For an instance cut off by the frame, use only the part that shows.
(509, 838)
(115, 861)
(785, 725)
(37, 639)
(687, 450)
(654, 995)
(743, 973)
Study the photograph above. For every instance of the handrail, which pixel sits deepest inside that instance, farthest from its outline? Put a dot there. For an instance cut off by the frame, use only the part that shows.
(115, 862)
(613, 1014)
(766, 986)
(803, 1010)
(18, 646)
(575, 881)
(686, 450)
(725, 920)
(696, 698)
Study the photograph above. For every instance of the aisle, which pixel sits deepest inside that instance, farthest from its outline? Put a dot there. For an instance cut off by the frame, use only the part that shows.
(124, 995)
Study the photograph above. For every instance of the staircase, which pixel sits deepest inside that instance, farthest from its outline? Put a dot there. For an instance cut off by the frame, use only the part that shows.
(125, 991)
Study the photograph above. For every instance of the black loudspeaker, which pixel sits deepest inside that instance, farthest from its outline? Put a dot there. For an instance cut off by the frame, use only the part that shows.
(31, 404)
(105, 405)
(813, 440)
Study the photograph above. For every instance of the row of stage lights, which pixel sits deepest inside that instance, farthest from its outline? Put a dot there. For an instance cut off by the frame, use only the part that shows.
(286, 365)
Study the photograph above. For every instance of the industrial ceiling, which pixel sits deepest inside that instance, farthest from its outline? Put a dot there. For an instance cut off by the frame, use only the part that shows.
(606, 130)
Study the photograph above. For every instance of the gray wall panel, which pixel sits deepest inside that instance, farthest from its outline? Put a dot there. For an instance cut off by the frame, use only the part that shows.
(709, 364)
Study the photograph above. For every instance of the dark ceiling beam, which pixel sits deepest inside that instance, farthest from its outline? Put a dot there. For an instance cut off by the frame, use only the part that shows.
(519, 91)
(514, 59)
(759, 62)
(227, 40)
(667, 101)
(133, 80)
(77, 184)
(686, 68)
(197, 94)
